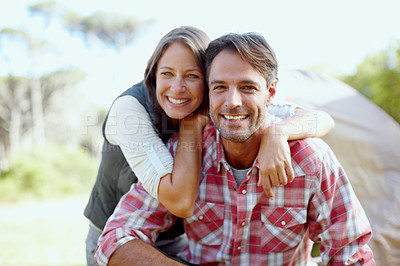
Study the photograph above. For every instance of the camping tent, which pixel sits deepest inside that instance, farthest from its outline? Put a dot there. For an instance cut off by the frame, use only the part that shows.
(367, 143)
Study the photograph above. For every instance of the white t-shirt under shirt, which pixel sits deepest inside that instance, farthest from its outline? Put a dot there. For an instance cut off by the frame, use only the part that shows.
(130, 127)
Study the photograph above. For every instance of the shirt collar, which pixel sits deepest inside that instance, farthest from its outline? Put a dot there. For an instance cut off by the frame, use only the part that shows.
(221, 159)
(220, 153)
(270, 119)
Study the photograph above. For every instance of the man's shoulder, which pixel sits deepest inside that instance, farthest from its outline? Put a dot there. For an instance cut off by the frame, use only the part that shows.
(210, 147)
(209, 140)
(307, 154)
(314, 144)
(209, 133)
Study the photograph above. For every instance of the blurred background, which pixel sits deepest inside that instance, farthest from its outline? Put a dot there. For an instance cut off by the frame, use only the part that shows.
(63, 62)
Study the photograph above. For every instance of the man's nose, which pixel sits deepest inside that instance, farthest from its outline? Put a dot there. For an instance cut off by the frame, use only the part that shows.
(233, 98)
(178, 85)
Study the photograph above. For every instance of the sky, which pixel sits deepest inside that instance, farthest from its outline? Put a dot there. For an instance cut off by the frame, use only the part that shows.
(334, 35)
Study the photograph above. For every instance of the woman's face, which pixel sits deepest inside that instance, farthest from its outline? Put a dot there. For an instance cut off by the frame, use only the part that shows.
(179, 81)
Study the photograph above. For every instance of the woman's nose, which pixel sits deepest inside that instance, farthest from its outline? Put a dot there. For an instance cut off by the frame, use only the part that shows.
(178, 85)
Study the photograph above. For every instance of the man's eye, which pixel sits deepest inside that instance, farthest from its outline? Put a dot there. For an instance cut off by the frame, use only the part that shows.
(218, 88)
(248, 88)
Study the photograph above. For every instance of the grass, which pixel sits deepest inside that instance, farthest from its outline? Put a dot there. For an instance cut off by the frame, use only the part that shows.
(47, 171)
(41, 214)
(50, 232)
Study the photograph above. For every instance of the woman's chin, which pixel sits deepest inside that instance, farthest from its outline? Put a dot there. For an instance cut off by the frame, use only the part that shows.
(179, 115)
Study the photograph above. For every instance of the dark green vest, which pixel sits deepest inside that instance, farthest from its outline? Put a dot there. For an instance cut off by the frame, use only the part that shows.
(115, 176)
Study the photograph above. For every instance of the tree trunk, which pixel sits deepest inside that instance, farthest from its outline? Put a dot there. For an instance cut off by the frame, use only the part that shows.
(15, 129)
(37, 112)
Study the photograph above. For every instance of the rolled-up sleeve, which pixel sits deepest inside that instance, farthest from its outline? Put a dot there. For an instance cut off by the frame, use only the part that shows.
(282, 110)
(137, 216)
(337, 219)
(129, 126)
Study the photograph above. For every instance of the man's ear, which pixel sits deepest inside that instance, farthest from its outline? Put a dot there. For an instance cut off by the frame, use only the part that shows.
(271, 91)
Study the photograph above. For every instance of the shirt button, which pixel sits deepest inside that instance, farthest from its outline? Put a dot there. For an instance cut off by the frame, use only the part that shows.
(244, 191)
(283, 223)
(201, 217)
(244, 224)
(238, 248)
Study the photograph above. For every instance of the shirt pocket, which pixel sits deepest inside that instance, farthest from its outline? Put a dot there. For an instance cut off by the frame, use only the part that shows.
(282, 228)
(205, 226)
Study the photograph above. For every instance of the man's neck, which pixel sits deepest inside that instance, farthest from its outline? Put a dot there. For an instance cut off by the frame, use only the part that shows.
(241, 155)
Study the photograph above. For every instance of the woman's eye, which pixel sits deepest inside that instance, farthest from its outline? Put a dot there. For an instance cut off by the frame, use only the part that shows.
(169, 74)
(193, 76)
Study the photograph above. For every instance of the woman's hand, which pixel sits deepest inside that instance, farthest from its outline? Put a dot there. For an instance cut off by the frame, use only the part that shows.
(274, 160)
(274, 155)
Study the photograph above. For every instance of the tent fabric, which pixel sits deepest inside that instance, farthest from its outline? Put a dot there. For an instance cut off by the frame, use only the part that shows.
(366, 141)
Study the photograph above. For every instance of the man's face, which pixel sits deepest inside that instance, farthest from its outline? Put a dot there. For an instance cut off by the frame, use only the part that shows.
(238, 96)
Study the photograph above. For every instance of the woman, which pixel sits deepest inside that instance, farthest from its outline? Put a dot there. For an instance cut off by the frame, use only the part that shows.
(142, 119)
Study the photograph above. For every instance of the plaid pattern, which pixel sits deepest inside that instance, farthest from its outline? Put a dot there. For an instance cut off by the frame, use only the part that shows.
(239, 225)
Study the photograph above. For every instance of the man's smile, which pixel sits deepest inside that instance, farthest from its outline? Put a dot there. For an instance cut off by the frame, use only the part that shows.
(235, 117)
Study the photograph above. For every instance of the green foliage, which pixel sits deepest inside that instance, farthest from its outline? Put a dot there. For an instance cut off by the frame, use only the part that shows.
(47, 8)
(33, 43)
(47, 172)
(59, 80)
(114, 30)
(378, 78)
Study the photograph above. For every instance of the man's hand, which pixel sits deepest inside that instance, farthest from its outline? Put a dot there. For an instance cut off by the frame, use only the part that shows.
(137, 252)
(274, 160)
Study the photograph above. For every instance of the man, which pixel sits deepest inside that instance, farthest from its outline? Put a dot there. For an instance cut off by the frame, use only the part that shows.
(234, 222)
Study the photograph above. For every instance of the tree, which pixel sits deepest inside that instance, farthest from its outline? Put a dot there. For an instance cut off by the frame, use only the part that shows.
(48, 10)
(378, 78)
(115, 31)
(13, 107)
(34, 47)
(28, 100)
(112, 29)
(16, 105)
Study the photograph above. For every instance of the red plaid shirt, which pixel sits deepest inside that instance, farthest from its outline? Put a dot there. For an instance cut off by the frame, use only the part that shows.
(239, 225)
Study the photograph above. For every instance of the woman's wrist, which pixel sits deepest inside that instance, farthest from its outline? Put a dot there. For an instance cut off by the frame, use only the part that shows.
(193, 124)
(276, 131)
